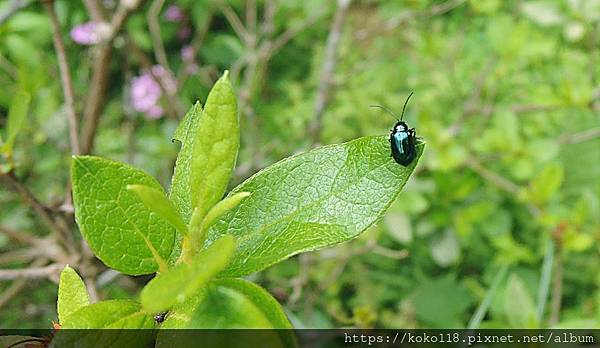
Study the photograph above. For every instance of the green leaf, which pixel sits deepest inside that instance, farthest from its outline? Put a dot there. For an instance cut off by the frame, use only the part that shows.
(309, 201)
(112, 314)
(156, 201)
(209, 145)
(215, 148)
(519, 306)
(72, 294)
(441, 302)
(180, 192)
(198, 230)
(545, 185)
(183, 281)
(116, 225)
(16, 117)
(237, 303)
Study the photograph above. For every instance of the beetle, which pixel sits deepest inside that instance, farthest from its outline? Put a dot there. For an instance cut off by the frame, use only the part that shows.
(160, 317)
(403, 139)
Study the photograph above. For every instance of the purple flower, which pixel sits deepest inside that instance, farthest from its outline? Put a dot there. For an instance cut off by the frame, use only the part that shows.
(155, 112)
(174, 13)
(145, 95)
(90, 33)
(187, 53)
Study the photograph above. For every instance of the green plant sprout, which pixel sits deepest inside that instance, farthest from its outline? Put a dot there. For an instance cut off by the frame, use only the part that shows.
(200, 244)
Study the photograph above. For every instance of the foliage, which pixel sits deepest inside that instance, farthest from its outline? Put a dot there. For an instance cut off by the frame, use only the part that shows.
(506, 96)
(133, 227)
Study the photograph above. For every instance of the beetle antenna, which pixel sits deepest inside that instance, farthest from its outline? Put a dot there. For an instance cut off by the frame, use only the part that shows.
(386, 109)
(404, 107)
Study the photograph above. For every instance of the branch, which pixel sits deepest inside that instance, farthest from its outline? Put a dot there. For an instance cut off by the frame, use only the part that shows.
(95, 10)
(21, 237)
(96, 97)
(580, 136)
(41, 210)
(557, 285)
(235, 22)
(290, 33)
(433, 11)
(65, 77)
(31, 273)
(154, 26)
(492, 177)
(17, 286)
(329, 62)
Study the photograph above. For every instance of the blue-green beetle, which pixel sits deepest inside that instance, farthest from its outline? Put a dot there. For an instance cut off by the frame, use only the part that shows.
(403, 139)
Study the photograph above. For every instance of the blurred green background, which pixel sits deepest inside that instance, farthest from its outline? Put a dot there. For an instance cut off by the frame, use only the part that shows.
(498, 227)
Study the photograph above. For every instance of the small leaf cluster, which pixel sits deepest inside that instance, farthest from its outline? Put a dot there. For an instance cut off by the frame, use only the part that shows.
(198, 243)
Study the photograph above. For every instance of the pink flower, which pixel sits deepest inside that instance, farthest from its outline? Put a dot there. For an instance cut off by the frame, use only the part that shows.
(145, 95)
(174, 13)
(155, 112)
(187, 53)
(90, 33)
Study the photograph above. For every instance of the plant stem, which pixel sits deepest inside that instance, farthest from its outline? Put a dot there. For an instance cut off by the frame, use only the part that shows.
(483, 307)
(329, 63)
(557, 284)
(65, 77)
(545, 280)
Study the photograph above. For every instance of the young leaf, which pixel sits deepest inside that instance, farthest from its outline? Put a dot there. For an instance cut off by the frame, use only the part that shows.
(113, 220)
(111, 314)
(237, 303)
(198, 230)
(16, 117)
(180, 192)
(156, 201)
(182, 281)
(312, 200)
(72, 294)
(215, 148)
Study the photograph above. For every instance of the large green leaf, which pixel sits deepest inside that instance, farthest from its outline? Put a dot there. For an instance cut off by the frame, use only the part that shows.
(116, 224)
(231, 303)
(72, 294)
(183, 281)
(210, 141)
(215, 147)
(312, 200)
(112, 314)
